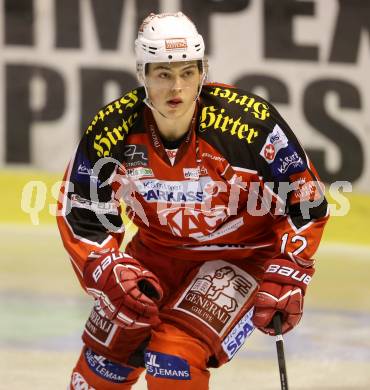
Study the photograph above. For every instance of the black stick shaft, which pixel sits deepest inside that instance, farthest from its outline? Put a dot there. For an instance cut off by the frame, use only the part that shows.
(280, 351)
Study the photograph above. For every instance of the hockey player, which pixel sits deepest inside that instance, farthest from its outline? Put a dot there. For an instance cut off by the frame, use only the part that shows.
(229, 212)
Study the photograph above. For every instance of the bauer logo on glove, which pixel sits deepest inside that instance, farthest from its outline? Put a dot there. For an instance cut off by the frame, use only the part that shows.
(282, 290)
(289, 272)
(127, 292)
(98, 271)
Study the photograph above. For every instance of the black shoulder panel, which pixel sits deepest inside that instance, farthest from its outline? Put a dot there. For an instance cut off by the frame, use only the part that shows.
(237, 124)
(111, 125)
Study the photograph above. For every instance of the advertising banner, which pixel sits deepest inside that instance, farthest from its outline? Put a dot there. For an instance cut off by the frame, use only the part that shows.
(60, 61)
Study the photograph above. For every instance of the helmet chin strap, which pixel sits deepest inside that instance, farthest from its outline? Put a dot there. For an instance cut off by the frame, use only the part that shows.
(147, 100)
(150, 105)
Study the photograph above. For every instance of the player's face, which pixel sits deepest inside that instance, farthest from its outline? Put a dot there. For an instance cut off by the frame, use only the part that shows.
(172, 87)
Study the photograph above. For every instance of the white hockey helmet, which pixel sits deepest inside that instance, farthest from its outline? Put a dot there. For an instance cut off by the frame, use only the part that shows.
(168, 37)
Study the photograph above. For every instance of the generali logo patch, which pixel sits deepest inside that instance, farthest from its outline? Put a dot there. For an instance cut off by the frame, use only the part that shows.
(216, 294)
(176, 44)
(99, 327)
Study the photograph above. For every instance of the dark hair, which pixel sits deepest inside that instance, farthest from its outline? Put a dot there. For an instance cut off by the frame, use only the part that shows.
(199, 66)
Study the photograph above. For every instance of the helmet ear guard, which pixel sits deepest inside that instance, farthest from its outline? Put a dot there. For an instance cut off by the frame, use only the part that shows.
(140, 73)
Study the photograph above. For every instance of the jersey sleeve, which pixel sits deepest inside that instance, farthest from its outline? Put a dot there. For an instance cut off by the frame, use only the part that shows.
(89, 212)
(299, 206)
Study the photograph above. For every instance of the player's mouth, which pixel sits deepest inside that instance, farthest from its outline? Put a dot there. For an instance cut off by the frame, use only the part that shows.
(174, 103)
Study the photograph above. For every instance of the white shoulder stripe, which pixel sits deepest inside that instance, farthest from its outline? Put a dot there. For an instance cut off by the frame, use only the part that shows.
(239, 169)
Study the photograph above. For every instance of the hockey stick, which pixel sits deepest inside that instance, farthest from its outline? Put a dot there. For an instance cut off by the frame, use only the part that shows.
(280, 351)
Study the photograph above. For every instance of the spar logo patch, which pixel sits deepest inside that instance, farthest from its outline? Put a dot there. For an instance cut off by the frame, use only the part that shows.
(216, 294)
(239, 333)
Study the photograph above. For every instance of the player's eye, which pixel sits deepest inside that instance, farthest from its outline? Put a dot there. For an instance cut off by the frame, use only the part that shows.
(188, 73)
(164, 75)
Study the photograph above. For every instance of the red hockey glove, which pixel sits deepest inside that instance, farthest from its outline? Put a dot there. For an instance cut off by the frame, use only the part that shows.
(282, 289)
(127, 293)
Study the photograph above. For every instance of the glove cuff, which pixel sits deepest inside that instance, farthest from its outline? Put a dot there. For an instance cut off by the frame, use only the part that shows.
(283, 271)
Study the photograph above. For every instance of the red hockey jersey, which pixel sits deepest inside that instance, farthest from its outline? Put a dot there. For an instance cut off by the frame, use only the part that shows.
(240, 185)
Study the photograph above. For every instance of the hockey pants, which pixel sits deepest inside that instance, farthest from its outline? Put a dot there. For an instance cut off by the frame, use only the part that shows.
(174, 360)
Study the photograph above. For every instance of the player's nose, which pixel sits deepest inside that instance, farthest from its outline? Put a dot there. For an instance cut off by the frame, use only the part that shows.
(178, 83)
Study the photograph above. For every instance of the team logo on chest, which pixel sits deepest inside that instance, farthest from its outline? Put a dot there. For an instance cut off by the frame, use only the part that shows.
(189, 222)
